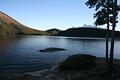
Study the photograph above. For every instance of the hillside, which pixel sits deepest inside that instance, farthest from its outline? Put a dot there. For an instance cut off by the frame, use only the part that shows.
(54, 31)
(86, 32)
(9, 26)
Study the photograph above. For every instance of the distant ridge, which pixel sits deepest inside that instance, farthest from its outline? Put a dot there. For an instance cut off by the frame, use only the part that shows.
(9, 26)
(86, 32)
(54, 31)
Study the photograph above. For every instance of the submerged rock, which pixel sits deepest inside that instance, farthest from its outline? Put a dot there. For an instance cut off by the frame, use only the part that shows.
(52, 49)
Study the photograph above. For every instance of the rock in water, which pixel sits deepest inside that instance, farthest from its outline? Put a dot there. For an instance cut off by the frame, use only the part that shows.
(52, 49)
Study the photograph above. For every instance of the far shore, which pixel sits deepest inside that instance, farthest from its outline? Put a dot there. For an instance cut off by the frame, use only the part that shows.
(4, 36)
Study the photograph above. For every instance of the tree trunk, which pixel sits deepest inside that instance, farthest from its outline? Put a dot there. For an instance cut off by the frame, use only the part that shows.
(113, 36)
(107, 34)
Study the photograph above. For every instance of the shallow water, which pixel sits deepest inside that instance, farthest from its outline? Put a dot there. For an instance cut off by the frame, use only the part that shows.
(22, 54)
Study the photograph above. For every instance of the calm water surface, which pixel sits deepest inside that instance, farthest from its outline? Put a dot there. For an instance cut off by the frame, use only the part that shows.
(22, 54)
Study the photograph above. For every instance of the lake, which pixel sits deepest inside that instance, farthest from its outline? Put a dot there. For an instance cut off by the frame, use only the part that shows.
(21, 54)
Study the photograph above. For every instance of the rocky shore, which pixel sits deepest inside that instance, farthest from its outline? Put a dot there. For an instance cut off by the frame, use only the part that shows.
(55, 74)
(98, 73)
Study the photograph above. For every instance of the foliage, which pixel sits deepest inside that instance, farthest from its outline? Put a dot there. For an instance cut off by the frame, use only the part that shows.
(101, 8)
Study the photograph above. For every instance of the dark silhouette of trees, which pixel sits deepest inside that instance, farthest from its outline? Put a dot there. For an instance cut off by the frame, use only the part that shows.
(102, 16)
(115, 13)
(87, 32)
(106, 12)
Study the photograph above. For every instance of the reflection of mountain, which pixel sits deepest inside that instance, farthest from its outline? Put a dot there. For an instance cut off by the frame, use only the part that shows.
(9, 26)
(86, 32)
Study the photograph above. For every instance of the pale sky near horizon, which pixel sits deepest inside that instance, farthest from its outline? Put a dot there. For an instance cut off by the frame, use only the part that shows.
(46, 14)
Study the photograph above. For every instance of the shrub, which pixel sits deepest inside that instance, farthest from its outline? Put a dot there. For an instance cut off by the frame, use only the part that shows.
(78, 62)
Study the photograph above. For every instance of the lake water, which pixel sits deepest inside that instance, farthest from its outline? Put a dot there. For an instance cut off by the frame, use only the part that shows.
(22, 54)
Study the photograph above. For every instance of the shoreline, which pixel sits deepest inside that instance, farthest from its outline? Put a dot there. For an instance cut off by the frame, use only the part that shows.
(55, 74)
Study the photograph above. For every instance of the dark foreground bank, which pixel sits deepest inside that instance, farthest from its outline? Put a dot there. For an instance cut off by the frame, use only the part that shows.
(97, 72)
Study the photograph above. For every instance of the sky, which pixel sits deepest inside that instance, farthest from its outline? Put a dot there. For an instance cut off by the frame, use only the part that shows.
(47, 14)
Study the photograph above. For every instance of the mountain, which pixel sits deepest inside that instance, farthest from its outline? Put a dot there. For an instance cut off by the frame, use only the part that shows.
(54, 31)
(86, 32)
(9, 26)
